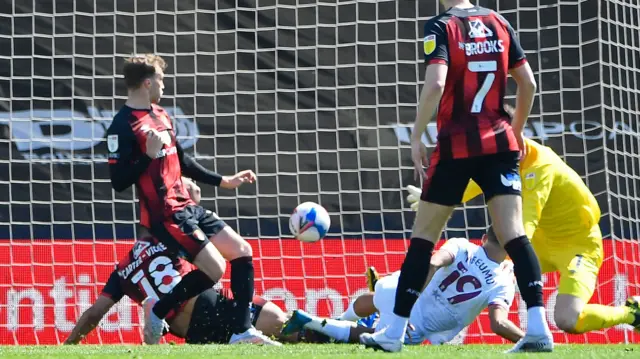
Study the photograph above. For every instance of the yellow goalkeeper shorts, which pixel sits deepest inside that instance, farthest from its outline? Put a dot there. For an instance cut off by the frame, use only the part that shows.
(578, 262)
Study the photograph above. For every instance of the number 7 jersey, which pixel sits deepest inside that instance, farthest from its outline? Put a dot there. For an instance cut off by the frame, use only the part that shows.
(479, 48)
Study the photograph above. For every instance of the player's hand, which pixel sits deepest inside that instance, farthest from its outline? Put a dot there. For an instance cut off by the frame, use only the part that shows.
(414, 197)
(521, 145)
(235, 181)
(419, 157)
(154, 143)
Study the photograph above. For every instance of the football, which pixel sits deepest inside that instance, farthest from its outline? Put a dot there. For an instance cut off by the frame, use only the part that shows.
(309, 222)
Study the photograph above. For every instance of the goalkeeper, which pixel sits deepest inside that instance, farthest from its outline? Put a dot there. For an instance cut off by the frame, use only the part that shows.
(561, 217)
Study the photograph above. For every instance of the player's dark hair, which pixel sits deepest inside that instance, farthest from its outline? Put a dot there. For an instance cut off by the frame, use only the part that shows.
(139, 68)
(491, 236)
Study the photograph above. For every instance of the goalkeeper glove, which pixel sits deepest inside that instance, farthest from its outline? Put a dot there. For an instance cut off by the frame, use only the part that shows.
(414, 197)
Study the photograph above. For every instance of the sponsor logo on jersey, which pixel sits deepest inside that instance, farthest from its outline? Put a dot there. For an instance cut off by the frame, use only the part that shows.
(167, 152)
(511, 180)
(478, 30)
(139, 247)
(429, 44)
(483, 47)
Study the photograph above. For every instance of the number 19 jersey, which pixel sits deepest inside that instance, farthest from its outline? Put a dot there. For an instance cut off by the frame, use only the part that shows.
(479, 47)
(459, 292)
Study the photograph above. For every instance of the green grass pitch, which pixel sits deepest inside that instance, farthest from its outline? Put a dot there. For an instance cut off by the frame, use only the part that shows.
(306, 351)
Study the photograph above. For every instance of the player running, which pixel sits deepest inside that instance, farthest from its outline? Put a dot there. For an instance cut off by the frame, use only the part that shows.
(469, 51)
(143, 151)
(561, 217)
(151, 269)
(468, 278)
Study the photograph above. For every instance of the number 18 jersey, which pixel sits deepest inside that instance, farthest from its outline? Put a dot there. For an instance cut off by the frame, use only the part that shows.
(148, 270)
(479, 47)
(459, 292)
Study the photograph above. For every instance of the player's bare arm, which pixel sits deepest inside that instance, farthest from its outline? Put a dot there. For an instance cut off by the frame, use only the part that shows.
(90, 319)
(501, 325)
(523, 76)
(434, 82)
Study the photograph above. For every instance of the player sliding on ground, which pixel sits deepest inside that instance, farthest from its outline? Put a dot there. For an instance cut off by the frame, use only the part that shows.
(468, 278)
(469, 52)
(561, 217)
(152, 269)
(143, 151)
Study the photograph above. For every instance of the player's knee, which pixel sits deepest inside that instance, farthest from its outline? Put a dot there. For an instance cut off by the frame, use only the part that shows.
(243, 249)
(211, 262)
(566, 319)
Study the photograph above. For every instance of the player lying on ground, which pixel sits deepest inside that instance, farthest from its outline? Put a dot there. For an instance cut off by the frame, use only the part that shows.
(561, 217)
(143, 151)
(467, 279)
(152, 270)
(205, 318)
(469, 52)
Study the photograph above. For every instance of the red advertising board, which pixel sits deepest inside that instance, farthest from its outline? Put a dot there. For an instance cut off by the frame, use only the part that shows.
(45, 285)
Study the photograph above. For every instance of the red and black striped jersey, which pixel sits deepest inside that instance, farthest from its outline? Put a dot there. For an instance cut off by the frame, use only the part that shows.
(150, 269)
(160, 188)
(479, 47)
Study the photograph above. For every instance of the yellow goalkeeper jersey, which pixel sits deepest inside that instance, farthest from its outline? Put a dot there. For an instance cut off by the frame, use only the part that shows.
(555, 200)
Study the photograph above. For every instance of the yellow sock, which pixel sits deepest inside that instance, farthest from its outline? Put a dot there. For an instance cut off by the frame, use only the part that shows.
(596, 316)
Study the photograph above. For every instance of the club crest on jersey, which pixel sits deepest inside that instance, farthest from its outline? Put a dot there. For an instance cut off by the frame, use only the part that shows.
(112, 143)
(530, 181)
(478, 30)
(429, 44)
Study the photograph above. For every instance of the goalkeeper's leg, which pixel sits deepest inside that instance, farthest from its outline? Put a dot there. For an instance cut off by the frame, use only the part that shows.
(577, 283)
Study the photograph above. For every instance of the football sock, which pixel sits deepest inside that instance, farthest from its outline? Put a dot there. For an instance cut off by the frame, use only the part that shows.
(192, 284)
(242, 276)
(529, 278)
(596, 316)
(527, 270)
(413, 275)
(350, 314)
(336, 329)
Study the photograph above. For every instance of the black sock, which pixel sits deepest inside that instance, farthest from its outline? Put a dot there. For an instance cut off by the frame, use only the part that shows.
(192, 284)
(413, 274)
(527, 269)
(242, 288)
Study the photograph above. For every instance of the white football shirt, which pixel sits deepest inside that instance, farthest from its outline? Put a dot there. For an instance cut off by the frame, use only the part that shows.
(459, 292)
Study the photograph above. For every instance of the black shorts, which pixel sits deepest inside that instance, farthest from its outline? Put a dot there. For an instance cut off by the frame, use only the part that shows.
(211, 319)
(188, 231)
(496, 174)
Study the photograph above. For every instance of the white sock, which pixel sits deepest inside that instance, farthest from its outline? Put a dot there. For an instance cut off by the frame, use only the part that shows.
(350, 314)
(397, 326)
(336, 329)
(537, 321)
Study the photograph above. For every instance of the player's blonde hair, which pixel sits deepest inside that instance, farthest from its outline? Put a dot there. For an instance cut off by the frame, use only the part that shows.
(141, 67)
